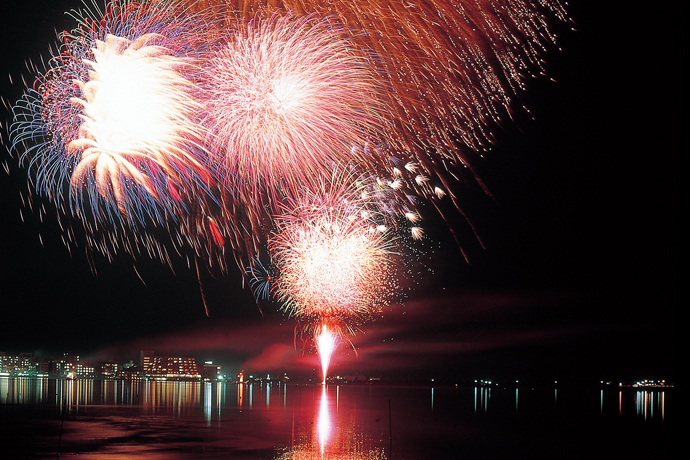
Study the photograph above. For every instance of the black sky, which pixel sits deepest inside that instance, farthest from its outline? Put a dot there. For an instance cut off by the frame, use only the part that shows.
(578, 272)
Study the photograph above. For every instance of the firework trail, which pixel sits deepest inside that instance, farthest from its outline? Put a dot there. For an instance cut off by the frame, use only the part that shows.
(326, 343)
(109, 131)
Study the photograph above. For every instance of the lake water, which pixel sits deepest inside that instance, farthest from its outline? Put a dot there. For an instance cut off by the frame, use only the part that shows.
(46, 418)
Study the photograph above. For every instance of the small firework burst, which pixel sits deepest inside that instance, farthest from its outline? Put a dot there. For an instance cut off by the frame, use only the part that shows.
(334, 257)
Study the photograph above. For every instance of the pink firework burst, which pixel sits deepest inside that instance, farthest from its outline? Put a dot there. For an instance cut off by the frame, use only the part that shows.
(286, 98)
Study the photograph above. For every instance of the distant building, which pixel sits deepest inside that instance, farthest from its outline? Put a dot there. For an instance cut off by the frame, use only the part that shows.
(145, 358)
(109, 369)
(44, 368)
(168, 367)
(210, 371)
(24, 364)
(70, 365)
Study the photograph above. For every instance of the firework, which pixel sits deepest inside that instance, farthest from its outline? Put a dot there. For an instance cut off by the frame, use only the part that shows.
(437, 77)
(333, 254)
(333, 251)
(158, 133)
(326, 343)
(109, 131)
(260, 279)
(450, 71)
(286, 98)
(136, 125)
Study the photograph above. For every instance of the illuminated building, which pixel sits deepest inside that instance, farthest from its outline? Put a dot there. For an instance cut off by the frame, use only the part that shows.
(109, 369)
(24, 364)
(70, 365)
(168, 367)
(210, 371)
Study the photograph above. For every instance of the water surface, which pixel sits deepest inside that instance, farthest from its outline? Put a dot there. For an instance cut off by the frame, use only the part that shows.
(47, 418)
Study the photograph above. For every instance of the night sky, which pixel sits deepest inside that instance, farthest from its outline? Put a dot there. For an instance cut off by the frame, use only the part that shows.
(576, 274)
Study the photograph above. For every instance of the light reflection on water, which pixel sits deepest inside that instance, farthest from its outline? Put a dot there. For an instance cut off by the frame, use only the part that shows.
(650, 404)
(293, 422)
(334, 436)
(186, 396)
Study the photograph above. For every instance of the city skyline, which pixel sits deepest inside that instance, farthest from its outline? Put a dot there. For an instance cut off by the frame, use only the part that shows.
(578, 265)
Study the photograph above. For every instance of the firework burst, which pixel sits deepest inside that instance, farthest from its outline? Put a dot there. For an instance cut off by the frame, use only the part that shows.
(286, 98)
(109, 131)
(450, 71)
(260, 279)
(333, 255)
(136, 126)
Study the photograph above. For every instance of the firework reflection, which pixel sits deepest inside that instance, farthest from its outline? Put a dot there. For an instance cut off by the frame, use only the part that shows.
(333, 437)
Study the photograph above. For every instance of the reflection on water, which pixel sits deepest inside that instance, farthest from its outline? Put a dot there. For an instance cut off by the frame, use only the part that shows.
(323, 431)
(293, 422)
(481, 399)
(650, 404)
(180, 397)
(334, 436)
